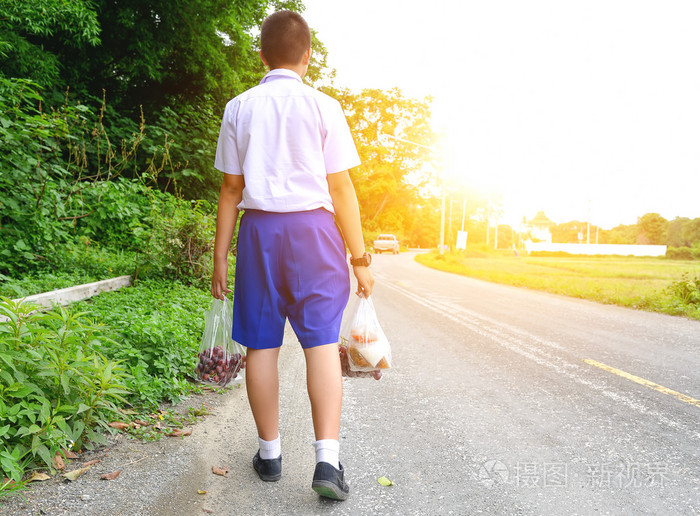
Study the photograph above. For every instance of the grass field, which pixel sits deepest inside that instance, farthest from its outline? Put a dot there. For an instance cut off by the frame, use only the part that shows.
(633, 282)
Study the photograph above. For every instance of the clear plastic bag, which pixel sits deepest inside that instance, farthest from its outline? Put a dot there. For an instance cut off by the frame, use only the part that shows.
(363, 342)
(220, 358)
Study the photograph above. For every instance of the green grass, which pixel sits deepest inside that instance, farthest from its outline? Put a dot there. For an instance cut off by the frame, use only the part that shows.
(634, 282)
(154, 329)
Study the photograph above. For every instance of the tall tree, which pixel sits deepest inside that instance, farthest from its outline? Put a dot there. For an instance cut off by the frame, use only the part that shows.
(676, 237)
(159, 52)
(691, 232)
(622, 234)
(148, 54)
(175, 63)
(392, 172)
(652, 228)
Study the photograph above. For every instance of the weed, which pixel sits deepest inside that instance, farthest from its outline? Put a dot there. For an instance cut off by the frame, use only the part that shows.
(56, 388)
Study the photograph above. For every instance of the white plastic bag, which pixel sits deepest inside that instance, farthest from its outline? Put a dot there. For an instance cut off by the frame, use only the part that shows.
(220, 358)
(365, 343)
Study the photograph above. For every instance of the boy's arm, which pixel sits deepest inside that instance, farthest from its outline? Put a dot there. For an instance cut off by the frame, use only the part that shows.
(226, 218)
(347, 213)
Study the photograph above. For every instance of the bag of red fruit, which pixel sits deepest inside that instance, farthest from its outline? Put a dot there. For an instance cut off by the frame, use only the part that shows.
(363, 345)
(220, 358)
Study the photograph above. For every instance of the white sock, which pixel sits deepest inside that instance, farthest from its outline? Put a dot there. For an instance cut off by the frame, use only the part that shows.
(328, 450)
(270, 449)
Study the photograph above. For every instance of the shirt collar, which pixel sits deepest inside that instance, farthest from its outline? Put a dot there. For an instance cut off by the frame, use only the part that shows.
(280, 73)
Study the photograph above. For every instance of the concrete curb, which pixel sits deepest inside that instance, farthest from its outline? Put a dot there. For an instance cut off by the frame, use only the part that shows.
(66, 296)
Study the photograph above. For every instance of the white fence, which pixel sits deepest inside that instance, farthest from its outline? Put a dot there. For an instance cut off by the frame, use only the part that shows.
(598, 249)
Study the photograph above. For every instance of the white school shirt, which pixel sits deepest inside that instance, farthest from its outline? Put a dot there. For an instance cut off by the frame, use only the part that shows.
(284, 137)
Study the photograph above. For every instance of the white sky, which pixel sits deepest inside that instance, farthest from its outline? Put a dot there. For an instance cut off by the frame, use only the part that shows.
(560, 105)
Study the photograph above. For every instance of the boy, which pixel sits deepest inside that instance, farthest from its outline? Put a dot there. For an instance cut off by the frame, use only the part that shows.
(285, 150)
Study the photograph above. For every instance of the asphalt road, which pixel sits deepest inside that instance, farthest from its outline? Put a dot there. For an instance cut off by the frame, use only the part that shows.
(501, 401)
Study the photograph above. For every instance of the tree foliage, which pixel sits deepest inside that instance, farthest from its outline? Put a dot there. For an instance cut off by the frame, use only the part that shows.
(389, 181)
(28, 31)
(680, 234)
(168, 65)
(652, 229)
(149, 54)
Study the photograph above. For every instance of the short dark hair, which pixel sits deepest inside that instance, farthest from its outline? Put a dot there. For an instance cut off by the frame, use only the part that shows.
(284, 37)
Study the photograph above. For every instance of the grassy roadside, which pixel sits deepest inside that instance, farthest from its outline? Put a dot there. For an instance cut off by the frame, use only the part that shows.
(641, 283)
(70, 374)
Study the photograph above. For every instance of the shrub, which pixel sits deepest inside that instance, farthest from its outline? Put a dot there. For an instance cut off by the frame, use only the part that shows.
(176, 242)
(686, 290)
(50, 162)
(64, 190)
(680, 253)
(56, 388)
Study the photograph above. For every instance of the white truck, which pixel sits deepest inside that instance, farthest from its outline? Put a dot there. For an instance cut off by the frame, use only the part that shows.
(386, 242)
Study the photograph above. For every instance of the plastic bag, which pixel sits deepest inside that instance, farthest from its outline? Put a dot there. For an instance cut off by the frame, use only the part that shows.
(362, 340)
(220, 358)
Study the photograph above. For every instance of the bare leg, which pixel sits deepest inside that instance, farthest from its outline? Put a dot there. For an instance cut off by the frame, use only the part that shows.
(325, 385)
(262, 384)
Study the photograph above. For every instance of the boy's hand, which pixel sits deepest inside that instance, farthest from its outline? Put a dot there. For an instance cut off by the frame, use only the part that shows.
(365, 280)
(218, 281)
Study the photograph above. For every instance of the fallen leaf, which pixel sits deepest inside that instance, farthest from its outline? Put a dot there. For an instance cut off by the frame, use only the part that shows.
(111, 476)
(91, 462)
(385, 481)
(141, 422)
(220, 471)
(128, 412)
(199, 491)
(207, 511)
(36, 476)
(69, 454)
(177, 432)
(119, 425)
(7, 481)
(58, 462)
(76, 473)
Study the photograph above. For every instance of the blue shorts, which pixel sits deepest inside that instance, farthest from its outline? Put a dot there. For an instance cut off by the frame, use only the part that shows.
(289, 266)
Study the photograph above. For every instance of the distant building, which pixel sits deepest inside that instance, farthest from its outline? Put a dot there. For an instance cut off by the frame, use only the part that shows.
(539, 228)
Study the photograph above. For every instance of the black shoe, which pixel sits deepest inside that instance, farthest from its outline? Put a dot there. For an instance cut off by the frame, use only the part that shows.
(269, 470)
(330, 482)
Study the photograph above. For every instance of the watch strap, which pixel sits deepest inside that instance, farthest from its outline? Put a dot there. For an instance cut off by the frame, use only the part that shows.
(361, 262)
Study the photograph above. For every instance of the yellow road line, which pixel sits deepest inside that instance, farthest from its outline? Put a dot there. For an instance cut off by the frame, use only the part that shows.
(644, 382)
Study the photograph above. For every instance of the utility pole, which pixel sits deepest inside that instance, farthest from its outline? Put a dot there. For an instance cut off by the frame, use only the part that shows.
(442, 217)
(449, 225)
(588, 224)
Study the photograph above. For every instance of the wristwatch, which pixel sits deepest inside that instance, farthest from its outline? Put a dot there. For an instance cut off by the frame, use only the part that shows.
(361, 262)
